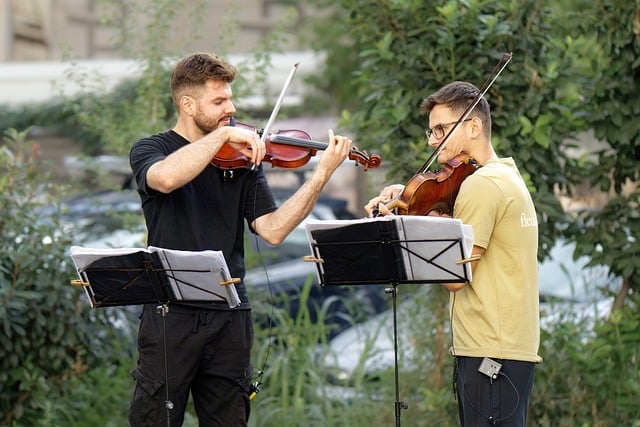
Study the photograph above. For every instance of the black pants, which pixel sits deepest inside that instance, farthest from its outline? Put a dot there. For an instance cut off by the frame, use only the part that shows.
(208, 355)
(484, 401)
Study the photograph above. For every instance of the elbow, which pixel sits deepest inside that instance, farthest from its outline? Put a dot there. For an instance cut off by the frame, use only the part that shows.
(164, 187)
(271, 235)
(162, 183)
(454, 287)
(161, 180)
(273, 240)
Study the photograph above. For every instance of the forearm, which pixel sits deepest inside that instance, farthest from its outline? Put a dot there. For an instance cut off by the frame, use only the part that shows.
(182, 166)
(476, 254)
(275, 226)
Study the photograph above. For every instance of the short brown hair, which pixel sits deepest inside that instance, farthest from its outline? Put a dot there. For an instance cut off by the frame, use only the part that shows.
(458, 96)
(192, 73)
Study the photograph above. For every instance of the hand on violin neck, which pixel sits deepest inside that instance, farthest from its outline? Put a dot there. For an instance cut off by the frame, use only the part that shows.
(377, 207)
(390, 192)
(335, 154)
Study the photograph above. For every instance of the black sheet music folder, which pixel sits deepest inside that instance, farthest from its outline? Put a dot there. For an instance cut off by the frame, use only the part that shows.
(131, 276)
(124, 280)
(360, 253)
(397, 249)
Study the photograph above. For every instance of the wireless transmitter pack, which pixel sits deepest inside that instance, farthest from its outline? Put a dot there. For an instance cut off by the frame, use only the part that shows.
(490, 368)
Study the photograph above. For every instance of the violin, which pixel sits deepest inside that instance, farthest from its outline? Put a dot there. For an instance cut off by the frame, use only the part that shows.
(289, 148)
(437, 191)
(434, 191)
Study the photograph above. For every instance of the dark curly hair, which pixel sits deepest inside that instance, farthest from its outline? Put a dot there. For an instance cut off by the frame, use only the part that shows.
(193, 72)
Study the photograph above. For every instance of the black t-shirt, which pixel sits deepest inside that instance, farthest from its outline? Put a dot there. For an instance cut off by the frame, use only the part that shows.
(206, 214)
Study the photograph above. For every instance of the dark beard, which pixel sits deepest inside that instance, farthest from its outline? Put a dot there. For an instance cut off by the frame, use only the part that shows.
(205, 124)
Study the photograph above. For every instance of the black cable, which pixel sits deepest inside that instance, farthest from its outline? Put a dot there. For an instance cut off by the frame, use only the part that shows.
(256, 385)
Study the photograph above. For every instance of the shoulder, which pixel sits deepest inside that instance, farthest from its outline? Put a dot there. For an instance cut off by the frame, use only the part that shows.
(163, 142)
(161, 138)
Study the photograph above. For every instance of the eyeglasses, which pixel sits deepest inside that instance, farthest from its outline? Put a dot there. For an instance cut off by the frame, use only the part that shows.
(438, 130)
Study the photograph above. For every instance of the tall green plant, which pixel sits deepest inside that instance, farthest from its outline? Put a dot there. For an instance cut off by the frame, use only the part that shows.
(49, 336)
(590, 375)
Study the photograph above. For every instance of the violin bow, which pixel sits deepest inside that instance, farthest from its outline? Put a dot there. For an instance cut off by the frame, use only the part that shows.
(504, 61)
(276, 108)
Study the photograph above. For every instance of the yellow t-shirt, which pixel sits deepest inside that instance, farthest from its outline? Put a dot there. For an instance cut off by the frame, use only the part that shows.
(497, 314)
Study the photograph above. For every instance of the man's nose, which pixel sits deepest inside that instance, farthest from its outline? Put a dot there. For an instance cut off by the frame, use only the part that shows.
(432, 141)
(231, 109)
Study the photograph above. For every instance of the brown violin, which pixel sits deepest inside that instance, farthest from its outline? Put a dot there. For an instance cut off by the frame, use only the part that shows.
(434, 191)
(290, 149)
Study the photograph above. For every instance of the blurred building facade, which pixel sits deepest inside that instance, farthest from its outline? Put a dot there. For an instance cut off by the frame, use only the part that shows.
(53, 30)
(41, 40)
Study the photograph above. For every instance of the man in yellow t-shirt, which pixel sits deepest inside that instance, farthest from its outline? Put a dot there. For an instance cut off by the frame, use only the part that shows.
(494, 318)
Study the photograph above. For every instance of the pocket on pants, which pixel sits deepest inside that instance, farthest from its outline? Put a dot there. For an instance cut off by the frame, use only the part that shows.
(147, 408)
(149, 385)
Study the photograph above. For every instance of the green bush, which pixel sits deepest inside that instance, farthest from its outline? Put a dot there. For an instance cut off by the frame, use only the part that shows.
(590, 377)
(51, 342)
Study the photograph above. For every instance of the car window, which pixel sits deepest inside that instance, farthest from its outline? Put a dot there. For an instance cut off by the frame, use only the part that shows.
(563, 277)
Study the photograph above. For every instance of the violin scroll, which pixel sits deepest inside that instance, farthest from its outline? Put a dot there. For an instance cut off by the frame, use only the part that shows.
(368, 161)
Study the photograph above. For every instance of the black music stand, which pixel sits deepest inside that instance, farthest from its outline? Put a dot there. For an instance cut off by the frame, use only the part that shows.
(391, 250)
(134, 276)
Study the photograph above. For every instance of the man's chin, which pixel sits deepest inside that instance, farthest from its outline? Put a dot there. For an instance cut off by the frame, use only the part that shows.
(443, 159)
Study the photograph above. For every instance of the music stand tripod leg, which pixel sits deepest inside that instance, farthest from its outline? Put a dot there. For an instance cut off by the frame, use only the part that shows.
(164, 309)
(399, 405)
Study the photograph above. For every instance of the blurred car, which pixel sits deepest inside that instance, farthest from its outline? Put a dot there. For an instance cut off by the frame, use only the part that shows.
(283, 284)
(569, 291)
(296, 244)
(103, 219)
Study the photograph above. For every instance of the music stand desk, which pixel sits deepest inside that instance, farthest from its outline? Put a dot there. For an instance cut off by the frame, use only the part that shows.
(391, 250)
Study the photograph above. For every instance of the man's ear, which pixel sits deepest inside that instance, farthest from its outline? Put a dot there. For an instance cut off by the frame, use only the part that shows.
(477, 127)
(187, 104)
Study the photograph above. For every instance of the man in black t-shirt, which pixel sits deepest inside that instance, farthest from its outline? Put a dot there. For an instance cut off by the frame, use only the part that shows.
(190, 204)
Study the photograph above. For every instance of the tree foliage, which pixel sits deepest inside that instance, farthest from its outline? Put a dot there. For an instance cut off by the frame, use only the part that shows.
(402, 51)
(575, 69)
(569, 73)
(613, 108)
(562, 82)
